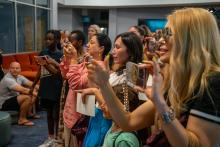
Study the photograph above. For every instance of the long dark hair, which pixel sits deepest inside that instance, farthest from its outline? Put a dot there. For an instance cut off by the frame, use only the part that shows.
(134, 46)
(104, 41)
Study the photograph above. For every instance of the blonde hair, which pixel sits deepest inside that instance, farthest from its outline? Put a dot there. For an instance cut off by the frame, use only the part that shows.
(195, 54)
(96, 28)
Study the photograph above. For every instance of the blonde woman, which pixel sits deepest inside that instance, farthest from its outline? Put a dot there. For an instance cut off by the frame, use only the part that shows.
(187, 111)
(92, 30)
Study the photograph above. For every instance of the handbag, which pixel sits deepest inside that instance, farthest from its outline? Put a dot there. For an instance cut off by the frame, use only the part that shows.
(80, 128)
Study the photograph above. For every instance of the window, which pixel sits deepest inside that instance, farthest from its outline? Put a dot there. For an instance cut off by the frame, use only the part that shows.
(25, 28)
(23, 24)
(44, 3)
(42, 27)
(7, 29)
(27, 1)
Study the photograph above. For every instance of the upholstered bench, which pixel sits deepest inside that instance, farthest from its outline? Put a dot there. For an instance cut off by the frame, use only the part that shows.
(5, 128)
(29, 67)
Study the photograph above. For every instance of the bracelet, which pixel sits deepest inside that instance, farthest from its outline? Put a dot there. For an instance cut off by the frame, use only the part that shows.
(168, 116)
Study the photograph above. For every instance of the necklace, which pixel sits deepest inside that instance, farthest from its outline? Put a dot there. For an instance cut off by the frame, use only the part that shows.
(125, 93)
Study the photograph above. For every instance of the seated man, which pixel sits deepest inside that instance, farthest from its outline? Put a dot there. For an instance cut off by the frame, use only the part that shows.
(15, 94)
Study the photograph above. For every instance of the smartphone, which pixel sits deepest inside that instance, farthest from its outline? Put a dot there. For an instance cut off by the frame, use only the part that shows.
(152, 45)
(135, 75)
(88, 59)
(45, 57)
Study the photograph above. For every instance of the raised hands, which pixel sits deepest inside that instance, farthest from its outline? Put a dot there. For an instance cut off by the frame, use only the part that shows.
(69, 51)
(97, 74)
(157, 95)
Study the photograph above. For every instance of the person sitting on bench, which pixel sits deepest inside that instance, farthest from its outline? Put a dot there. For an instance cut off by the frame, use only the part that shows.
(15, 94)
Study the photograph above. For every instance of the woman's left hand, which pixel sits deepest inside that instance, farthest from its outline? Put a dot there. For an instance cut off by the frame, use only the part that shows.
(97, 74)
(157, 95)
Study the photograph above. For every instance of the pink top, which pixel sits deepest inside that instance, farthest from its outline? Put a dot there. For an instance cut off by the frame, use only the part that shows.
(77, 78)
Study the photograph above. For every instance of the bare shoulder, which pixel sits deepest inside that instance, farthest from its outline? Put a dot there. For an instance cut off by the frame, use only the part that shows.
(205, 130)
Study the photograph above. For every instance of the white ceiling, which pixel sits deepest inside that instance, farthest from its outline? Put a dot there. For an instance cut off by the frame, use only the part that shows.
(135, 3)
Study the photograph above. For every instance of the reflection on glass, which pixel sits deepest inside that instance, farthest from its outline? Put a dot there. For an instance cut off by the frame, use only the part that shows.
(43, 3)
(42, 27)
(7, 27)
(25, 28)
(27, 1)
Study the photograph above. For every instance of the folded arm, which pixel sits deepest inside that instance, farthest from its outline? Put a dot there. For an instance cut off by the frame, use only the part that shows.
(21, 89)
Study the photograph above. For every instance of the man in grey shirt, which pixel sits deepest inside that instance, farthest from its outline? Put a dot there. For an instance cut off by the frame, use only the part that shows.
(16, 93)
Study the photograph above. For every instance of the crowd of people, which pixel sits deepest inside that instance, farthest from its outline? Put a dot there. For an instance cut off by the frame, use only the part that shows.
(183, 102)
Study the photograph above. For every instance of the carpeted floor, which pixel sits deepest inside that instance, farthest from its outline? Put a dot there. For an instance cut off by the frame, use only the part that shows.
(23, 136)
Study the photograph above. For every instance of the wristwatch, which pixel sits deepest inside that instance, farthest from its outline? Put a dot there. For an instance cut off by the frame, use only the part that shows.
(168, 116)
